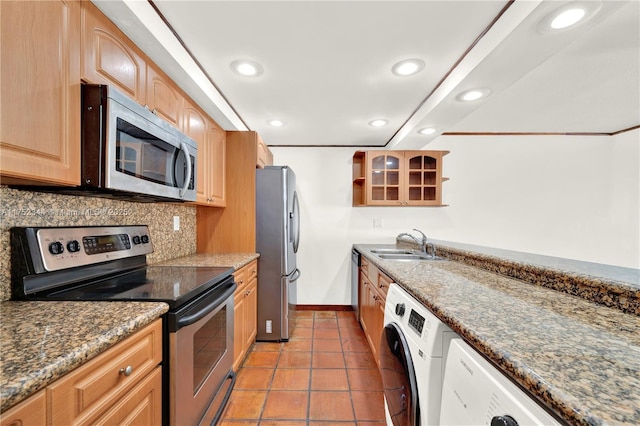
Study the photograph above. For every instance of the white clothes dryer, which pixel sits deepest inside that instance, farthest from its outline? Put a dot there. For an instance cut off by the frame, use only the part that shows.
(474, 392)
(413, 350)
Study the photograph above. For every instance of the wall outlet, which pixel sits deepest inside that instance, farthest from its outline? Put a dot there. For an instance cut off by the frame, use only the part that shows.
(377, 223)
(176, 223)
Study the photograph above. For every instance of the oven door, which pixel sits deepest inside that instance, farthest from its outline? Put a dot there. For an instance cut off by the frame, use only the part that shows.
(201, 356)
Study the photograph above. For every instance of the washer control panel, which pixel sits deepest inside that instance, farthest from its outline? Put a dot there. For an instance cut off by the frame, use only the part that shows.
(69, 247)
(416, 321)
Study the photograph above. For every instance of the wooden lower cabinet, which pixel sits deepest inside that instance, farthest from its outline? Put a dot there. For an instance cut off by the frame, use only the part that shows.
(123, 385)
(245, 321)
(373, 294)
(33, 411)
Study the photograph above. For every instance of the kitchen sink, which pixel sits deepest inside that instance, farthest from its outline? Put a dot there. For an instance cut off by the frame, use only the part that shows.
(411, 256)
(392, 251)
(408, 256)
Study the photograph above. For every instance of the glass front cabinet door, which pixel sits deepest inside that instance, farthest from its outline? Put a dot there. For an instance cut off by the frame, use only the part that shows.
(385, 178)
(423, 171)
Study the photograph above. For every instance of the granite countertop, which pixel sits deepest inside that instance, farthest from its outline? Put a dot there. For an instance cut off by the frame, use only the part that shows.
(579, 358)
(235, 260)
(42, 341)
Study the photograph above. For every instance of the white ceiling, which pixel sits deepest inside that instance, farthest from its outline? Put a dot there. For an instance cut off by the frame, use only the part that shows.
(327, 66)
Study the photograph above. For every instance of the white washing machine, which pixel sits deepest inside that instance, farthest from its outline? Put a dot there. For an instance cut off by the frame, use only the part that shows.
(474, 392)
(412, 353)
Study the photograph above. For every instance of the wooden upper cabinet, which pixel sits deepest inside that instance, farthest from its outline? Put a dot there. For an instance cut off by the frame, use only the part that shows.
(163, 97)
(265, 156)
(194, 125)
(108, 56)
(397, 178)
(40, 92)
(216, 167)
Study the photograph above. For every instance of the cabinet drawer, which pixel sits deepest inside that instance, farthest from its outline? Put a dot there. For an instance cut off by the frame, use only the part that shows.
(383, 284)
(252, 270)
(241, 278)
(141, 406)
(87, 392)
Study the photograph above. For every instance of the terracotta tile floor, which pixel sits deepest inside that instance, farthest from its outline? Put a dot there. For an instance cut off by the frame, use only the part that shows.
(324, 375)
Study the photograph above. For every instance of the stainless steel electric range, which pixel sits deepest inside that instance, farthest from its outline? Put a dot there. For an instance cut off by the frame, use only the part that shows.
(109, 263)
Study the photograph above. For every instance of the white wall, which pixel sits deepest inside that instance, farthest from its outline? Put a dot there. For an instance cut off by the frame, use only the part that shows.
(565, 196)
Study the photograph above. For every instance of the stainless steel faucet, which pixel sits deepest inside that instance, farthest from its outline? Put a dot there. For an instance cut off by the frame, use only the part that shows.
(422, 242)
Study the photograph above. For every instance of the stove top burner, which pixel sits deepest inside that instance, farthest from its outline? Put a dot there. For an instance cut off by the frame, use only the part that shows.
(173, 285)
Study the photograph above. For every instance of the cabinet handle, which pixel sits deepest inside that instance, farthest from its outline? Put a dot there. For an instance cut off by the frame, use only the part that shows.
(248, 292)
(126, 371)
(241, 282)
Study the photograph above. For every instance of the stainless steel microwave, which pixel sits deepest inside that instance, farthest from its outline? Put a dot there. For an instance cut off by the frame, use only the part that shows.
(129, 152)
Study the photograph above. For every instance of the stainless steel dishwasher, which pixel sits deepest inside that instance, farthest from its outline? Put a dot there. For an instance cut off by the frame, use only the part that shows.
(355, 280)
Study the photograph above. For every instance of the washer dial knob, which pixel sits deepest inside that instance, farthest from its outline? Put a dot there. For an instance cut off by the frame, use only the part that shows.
(505, 420)
(400, 308)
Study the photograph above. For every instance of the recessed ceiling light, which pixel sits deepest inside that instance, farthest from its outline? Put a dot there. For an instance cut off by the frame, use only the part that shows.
(427, 131)
(473, 95)
(408, 67)
(276, 123)
(247, 68)
(378, 123)
(569, 16)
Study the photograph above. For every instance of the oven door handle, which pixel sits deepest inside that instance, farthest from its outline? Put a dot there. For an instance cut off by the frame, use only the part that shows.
(225, 293)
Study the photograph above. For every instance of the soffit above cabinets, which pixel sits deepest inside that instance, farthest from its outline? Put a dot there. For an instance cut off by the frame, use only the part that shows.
(326, 66)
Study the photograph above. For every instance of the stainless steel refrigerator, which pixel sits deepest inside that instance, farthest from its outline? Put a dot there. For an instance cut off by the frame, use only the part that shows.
(277, 239)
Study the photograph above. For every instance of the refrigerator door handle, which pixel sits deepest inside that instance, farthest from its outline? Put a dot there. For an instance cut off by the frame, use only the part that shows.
(294, 218)
(295, 275)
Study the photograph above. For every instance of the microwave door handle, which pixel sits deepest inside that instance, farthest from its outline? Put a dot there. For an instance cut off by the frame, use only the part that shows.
(183, 147)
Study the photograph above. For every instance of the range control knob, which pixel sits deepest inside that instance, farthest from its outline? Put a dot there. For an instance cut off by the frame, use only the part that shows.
(136, 239)
(145, 239)
(505, 420)
(73, 246)
(400, 309)
(56, 248)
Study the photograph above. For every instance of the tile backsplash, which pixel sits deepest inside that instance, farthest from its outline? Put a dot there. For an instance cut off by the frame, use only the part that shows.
(28, 208)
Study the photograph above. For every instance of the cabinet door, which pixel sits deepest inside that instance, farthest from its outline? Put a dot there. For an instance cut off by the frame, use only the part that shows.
(239, 308)
(380, 302)
(194, 125)
(108, 55)
(385, 178)
(163, 97)
(217, 142)
(423, 176)
(32, 411)
(40, 92)
(265, 156)
(251, 313)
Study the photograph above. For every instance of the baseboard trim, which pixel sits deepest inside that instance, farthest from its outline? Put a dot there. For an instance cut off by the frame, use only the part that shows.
(323, 308)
